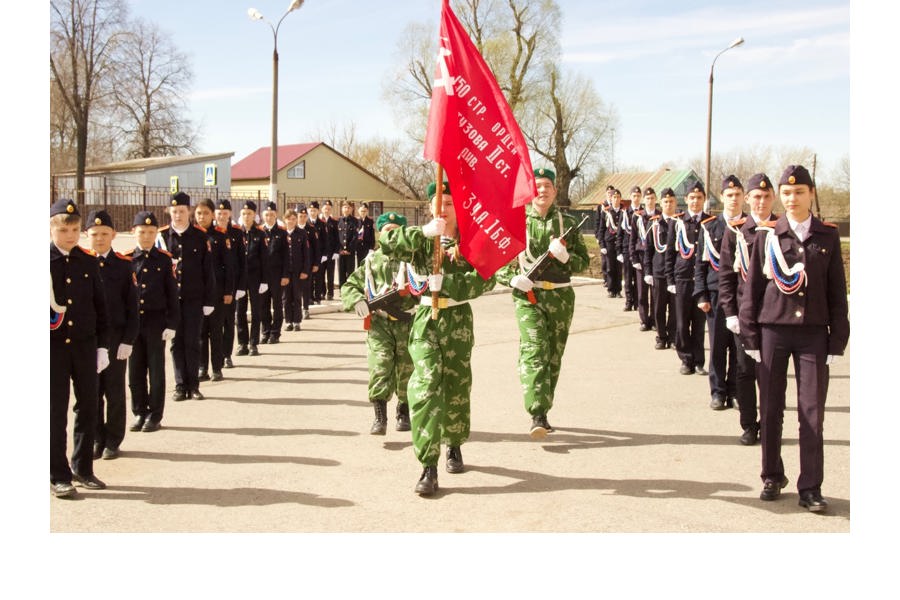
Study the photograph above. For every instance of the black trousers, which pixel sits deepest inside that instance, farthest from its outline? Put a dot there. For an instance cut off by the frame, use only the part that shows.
(745, 391)
(212, 337)
(808, 346)
(148, 365)
(291, 297)
(317, 283)
(111, 397)
(346, 265)
(644, 301)
(252, 298)
(75, 362)
(229, 315)
(663, 311)
(272, 317)
(722, 352)
(690, 326)
(630, 284)
(328, 277)
(185, 346)
(614, 271)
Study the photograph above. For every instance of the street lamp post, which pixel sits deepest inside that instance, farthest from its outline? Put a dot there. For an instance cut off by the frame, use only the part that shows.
(255, 15)
(733, 44)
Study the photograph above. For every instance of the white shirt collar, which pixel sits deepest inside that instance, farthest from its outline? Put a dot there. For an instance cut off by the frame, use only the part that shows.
(801, 229)
(179, 231)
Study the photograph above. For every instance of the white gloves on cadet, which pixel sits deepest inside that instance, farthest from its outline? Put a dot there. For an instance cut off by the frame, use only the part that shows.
(434, 227)
(648, 279)
(208, 310)
(362, 309)
(520, 282)
(670, 289)
(123, 352)
(435, 280)
(732, 324)
(559, 251)
(602, 250)
(620, 258)
(102, 359)
(637, 266)
(168, 334)
(754, 354)
(263, 288)
(335, 256)
(830, 359)
(240, 294)
(324, 259)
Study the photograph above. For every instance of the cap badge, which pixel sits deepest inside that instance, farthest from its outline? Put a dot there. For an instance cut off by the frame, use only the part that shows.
(98, 221)
(792, 179)
(148, 220)
(70, 209)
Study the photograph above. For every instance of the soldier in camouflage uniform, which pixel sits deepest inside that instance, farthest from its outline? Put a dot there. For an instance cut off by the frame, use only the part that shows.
(388, 340)
(544, 325)
(441, 349)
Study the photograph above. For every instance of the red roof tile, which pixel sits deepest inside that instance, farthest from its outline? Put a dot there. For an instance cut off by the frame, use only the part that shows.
(258, 164)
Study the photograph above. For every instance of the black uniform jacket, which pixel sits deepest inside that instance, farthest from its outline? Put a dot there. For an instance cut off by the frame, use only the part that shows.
(299, 252)
(679, 268)
(706, 277)
(121, 295)
(193, 268)
(157, 289)
(77, 286)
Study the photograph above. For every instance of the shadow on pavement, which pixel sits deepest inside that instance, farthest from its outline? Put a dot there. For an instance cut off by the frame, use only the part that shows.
(295, 401)
(261, 431)
(234, 459)
(222, 497)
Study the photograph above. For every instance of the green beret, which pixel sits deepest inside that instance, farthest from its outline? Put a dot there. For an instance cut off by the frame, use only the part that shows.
(546, 174)
(432, 188)
(390, 218)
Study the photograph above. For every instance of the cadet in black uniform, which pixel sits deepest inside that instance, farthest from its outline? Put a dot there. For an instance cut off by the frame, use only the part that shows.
(602, 209)
(315, 258)
(79, 343)
(690, 321)
(275, 275)
(348, 227)
(624, 246)
(238, 262)
(333, 245)
(365, 238)
(254, 242)
(122, 308)
(707, 268)
(612, 220)
(212, 333)
(189, 247)
(737, 247)
(317, 285)
(638, 241)
(298, 267)
(158, 313)
(795, 306)
(661, 227)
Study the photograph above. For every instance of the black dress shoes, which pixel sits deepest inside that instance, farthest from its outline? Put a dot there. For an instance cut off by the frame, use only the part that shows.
(217, 376)
(150, 426)
(289, 327)
(750, 435)
(813, 501)
(254, 351)
(196, 395)
(661, 346)
(203, 376)
(701, 371)
(138, 423)
(241, 351)
(645, 327)
(455, 460)
(772, 489)
(428, 482)
(228, 363)
(89, 481)
(98, 451)
(686, 370)
(179, 395)
(717, 402)
(264, 340)
(62, 489)
(110, 453)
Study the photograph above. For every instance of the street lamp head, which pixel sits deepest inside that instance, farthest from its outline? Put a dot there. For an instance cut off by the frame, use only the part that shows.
(736, 43)
(254, 14)
(295, 4)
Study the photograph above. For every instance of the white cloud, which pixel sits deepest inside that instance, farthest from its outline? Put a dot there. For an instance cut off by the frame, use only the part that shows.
(230, 92)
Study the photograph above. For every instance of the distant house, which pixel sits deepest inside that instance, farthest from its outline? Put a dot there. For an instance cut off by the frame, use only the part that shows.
(658, 180)
(310, 171)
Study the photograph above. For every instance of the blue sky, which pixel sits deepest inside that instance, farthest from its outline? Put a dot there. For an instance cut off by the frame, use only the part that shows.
(788, 85)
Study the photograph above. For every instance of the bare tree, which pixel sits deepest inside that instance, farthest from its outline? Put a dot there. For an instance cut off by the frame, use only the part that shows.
(340, 136)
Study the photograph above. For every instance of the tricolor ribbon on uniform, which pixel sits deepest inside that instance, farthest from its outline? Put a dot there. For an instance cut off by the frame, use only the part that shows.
(660, 247)
(741, 253)
(626, 223)
(642, 231)
(417, 284)
(709, 251)
(685, 248)
(787, 279)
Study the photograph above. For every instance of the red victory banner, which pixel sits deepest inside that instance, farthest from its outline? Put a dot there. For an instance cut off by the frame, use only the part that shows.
(473, 135)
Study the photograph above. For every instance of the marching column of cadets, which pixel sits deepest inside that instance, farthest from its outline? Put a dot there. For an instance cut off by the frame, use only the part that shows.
(768, 288)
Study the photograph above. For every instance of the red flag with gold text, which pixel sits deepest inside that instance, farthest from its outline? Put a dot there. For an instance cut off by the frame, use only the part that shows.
(473, 134)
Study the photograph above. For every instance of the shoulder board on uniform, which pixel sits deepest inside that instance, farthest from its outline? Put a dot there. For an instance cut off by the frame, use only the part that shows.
(165, 252)
(828, 224)
(221, 229)
(678, 215)
(655, 217)
(708, 219)
(201, 228)
(161, 229)
(739, 222)
(87, 251)
(639, 211)
(281, 227)
(238, 227)
(123, 256)
(129, 254)
(769, 224)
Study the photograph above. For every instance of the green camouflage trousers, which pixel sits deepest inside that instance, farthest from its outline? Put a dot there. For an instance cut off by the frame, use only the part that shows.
(441, 382)
(543, 332)
(389, 362)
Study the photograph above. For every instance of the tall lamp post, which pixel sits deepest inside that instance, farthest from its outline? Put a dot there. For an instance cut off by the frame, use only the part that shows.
(255, 15)
(733, 44)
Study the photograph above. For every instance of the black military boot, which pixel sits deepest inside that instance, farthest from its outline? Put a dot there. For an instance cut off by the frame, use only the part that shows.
(539, 427)
(403, 417)
(380, 425)
(455, 460)
(428, 482)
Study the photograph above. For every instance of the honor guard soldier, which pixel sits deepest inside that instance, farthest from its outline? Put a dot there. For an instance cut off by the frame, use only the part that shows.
(690, 321)
(602, 208)
(544, 308)
(624, 245)
(122, 309)
(637, 249)
(315, 258)
(612, 221)
(212, 333)
(387, 341)
(254, 241)
(189, 247)
(299, 265)
(158, 312)
(795, 307)
(348, 232)
(441, 384)
(737, 247)
(275, 275)
(707, 268)
(238, 262)
(321, 252)
(365, 238)
(333, 244)
(79, 343)
(661, 227)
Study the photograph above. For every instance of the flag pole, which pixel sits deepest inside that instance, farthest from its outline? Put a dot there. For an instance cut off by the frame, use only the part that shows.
(438, 256)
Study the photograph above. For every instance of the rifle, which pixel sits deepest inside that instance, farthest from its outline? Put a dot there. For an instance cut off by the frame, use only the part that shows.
(543, 261)
(387, 301)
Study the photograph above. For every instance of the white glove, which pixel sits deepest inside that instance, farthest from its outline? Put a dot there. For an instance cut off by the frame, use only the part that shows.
(637, 266)
(520, 282)
(240, 294)
(670, 289)
(263, 288)
(168, 334)
(335, 256)
(620, 258)
(732, 324)
(123, 352)
(559, 251)
(434, 227)
(831, 359)
(208, 310)
(602, 250)
(362, 309)
(754, 354)
(648, 279)
(435, 281)
(324, 259)
(102, 359)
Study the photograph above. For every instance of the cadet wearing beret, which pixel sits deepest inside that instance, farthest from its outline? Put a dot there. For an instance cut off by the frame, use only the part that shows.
(690, 321)
(333, 245)
(305, 222)
(795, 306)
(239, 266)
(79, 343)
(321, 254)
(122, 306)
(637, 250)
(348, 232)
(212, 334)
(299, 264)
(662, 226)
(190, 250)
(275, 274)
(254, 241)
(365, 238)
(159, 312)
